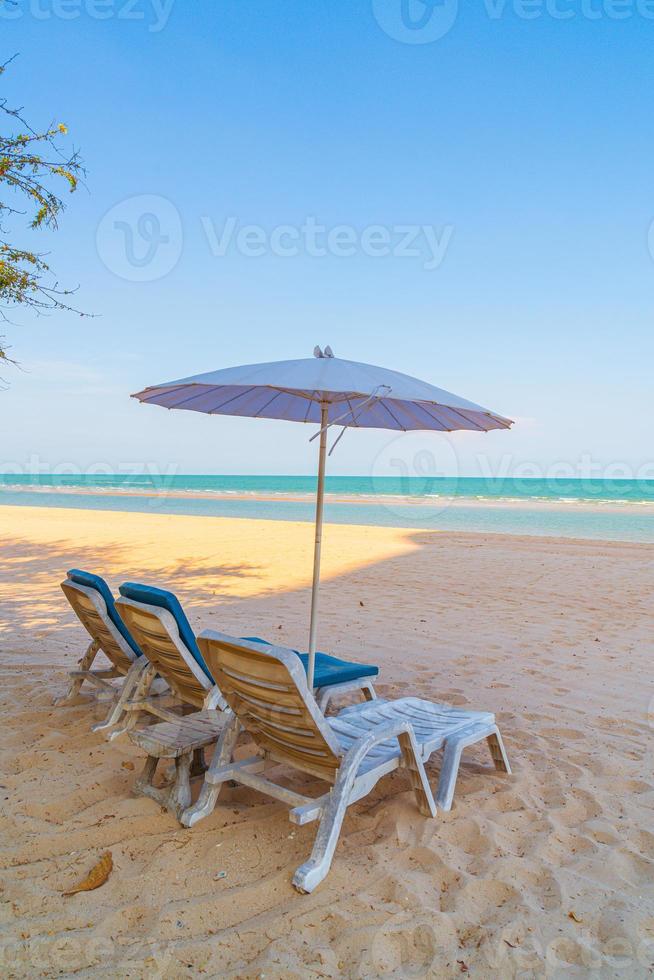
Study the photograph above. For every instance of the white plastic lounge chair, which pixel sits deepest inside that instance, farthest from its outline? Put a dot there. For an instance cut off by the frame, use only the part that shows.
(93, 604)
(266, 688)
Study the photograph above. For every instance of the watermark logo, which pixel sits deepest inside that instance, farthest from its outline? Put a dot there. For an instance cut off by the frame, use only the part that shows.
(417, 463)
(140, 239)
(130, 479)
(426, 21)
(154, 14)
(416, 21)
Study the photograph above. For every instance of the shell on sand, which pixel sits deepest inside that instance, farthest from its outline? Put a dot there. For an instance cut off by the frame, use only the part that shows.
(96, 876)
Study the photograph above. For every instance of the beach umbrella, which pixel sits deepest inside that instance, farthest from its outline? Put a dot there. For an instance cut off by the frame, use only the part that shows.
(328, 391)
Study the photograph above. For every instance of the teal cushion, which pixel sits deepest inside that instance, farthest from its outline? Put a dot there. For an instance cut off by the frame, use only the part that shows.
(92, 581)
(152, 596)
(330, 670)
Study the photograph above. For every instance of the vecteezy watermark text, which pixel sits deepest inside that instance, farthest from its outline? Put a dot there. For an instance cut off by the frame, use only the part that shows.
(313, 239)
(141, 239)
(154, 14)
(426, 21)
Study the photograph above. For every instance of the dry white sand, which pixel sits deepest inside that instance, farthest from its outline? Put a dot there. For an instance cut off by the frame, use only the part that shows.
(547, 873)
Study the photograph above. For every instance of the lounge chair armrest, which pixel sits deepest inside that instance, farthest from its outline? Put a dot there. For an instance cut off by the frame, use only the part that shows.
(382, 733)
(344, 791)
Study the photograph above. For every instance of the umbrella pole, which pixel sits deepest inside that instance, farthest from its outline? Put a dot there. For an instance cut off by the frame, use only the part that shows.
(320, 499)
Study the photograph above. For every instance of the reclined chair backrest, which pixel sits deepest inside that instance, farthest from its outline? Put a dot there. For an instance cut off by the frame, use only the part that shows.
(163, 632)
(266, 687)
(93, 604)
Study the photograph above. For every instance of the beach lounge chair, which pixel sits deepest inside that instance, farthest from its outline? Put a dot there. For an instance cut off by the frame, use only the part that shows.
(266, 689)
(156, 619)
(93, 604)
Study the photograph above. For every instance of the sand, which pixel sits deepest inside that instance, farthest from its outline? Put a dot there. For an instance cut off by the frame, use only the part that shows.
(549, 872)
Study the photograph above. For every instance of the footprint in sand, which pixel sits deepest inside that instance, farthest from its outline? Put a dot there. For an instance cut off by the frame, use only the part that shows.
(579, 807)
(408, 946)
(508, 802)
(538, 887)
(643, 841)
(603, 833)
(483, 900)
(467, 835)
(628, 786)
(563, 847)
(563, 733)
(631, 867)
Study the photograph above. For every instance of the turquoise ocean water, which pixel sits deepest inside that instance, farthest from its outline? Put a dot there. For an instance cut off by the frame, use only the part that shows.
(605, 509)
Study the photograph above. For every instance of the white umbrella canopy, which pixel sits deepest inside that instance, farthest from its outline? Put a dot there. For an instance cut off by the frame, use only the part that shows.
(358, 395)
(329, 391)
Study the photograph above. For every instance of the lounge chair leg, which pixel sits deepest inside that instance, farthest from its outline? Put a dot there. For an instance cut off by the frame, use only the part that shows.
(368, 692)
(179, 795)
(76, 682)
(144, 781)
(117, 709)
(417, 775)
(309, 875)
(198, 766)
(211, 787)
(498, 752)
(449, 772)
(454, 747)
(174, 798)
(203, 806)
(142, 684)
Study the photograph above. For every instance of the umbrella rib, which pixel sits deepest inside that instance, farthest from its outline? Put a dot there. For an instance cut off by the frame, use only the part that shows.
(430, 415)
(396, 420)
(191, 398)
(479, 428)
(159, 391)
(354, 421)
(408, 408)
(264, 407)
(232, 399)
(505, 423)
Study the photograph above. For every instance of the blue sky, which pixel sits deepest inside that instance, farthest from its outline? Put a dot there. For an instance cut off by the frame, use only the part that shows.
(522, 144)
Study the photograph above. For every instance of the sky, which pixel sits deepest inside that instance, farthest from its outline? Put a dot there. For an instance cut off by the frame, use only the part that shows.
(460, 192)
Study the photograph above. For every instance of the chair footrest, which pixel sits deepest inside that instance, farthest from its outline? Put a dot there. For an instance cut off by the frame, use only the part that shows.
(172, 739)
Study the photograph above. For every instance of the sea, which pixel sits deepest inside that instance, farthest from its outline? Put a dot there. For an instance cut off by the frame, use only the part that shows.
(617, 510)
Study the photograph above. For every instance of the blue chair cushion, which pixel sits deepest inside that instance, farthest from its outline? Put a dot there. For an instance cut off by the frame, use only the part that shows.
(96, 582)
(166, 600)
(330, 670)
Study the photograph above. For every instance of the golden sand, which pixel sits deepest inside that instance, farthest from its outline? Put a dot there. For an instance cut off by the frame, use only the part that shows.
(546, 873)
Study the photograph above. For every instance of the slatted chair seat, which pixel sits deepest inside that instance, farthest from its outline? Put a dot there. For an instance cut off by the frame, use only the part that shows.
(432, 723)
